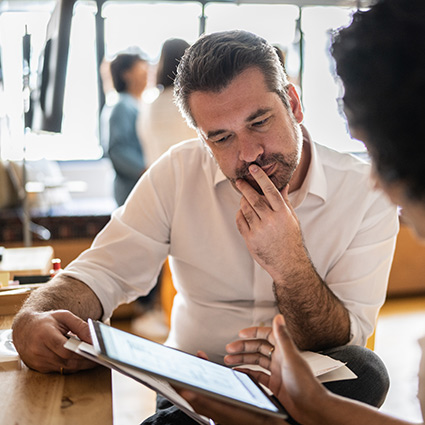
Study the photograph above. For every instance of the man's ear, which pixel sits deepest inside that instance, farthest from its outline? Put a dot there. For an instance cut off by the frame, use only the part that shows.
(295, 103)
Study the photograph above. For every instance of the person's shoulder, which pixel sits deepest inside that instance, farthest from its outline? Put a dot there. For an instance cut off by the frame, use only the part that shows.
(186, 161)
(124, 104)
(188, 147)
(350, 173)
(191, 151)
(356, 162)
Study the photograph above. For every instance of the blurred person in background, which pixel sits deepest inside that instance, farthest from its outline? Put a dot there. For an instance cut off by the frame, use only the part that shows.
(129, 73)
(161, 125)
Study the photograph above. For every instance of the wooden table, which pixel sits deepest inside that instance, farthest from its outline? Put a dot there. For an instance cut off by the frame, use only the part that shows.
(32, 398)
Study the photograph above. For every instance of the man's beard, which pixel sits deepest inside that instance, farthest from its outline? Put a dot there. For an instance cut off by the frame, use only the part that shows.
(286, 165)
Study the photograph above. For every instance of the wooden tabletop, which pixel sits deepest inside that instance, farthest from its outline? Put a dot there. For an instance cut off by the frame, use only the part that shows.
(32, 398)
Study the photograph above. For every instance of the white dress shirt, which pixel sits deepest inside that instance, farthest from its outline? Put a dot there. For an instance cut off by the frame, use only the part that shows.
(184, 207)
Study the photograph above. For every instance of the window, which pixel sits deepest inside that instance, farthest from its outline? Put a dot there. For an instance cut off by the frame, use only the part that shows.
(320, 90)
(147, 25)
(12, 29)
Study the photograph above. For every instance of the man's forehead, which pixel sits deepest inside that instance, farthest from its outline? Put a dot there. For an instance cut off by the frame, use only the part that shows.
(245, 98)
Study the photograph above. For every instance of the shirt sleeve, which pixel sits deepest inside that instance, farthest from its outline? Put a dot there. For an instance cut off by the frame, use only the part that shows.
(360, 277)
(126, 257)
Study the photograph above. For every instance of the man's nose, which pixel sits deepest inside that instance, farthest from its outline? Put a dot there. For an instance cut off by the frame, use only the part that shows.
(250, 149)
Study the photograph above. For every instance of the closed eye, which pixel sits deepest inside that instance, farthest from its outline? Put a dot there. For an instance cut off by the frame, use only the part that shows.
(261, 122)
(221, 139)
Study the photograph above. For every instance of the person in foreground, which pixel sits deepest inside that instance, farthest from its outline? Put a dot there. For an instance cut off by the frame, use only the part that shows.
(380, 61)
(318, 247)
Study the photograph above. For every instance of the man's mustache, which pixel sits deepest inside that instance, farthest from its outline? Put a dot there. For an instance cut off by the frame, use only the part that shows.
(243, 171)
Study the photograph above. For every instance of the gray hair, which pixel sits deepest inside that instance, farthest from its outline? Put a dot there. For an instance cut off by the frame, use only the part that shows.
(214, 60)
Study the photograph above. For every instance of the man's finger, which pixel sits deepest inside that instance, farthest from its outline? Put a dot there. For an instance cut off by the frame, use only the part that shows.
(251, 212)
(258, 332)
(270, 191)
(261, 346)
(202, 354)
(247, 359)
(258, 202)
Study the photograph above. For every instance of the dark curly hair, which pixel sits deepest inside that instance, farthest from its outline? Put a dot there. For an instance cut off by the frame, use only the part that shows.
(380, 59)
(214, 60)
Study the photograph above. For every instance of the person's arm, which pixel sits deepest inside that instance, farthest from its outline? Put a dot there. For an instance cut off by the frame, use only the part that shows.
(39, 329)
(305, 398)
(295, 386)
(315, 316)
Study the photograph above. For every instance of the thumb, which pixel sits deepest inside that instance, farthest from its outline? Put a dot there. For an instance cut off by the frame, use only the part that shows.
(73, 323)
(283, 339)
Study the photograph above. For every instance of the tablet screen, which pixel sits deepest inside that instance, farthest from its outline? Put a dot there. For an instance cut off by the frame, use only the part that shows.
(180, 367)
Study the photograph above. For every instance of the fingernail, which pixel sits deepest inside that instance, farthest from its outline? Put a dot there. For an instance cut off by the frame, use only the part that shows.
(253, 168)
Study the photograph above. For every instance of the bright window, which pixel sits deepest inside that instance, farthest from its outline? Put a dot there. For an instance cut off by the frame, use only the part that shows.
(147, 25)
(320, 90)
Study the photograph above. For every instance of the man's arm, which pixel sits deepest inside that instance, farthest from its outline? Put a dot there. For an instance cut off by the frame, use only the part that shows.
(40, 327)
(315, 317)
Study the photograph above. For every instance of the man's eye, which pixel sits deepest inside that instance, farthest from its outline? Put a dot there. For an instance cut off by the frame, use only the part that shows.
(261, 123)
(221, 140)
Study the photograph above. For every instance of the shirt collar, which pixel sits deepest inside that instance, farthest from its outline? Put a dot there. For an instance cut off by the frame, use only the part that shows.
(314, 182)
(315, 179)
(219, 176)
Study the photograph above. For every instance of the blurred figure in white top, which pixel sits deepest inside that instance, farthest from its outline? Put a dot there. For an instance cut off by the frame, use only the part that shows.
(161, 125)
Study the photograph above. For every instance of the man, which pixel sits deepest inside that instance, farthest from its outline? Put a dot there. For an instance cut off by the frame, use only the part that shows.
(384, 101)
(317, 248)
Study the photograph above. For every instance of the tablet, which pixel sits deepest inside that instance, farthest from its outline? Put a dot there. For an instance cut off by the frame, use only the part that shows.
(182, 369)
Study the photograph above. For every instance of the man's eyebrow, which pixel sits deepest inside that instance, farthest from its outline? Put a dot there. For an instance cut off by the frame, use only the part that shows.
(253, 116)
(257, 114)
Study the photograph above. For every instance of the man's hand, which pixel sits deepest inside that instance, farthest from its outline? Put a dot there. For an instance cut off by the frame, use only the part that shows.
(39, 339)
(272, 233)
(269, 225)
(256, 347)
